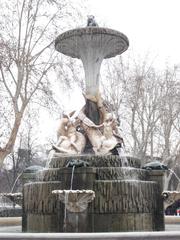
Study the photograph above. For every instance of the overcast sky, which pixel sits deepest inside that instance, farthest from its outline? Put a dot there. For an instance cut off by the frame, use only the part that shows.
(151, 25)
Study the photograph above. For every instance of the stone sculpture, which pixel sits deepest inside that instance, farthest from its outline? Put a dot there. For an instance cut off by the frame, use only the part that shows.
(77, 163)
(155, 165)
(91, 21)
(92, 131)
(103, 137)
(70, 141)
(75, 200)
(170, 197)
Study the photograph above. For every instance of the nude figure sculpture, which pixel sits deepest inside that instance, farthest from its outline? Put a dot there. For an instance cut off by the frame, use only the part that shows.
(70, 141)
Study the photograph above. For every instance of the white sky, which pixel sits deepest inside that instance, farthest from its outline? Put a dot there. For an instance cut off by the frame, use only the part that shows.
(151, 25)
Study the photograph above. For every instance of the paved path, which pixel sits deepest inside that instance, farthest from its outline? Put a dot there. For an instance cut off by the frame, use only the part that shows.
(172, 227)
(16, 229)
(10, 229)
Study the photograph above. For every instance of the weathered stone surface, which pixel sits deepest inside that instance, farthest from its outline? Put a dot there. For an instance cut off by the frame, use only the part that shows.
(158, 176)
(94, 161)
(125, 196)
(76, 222)
(83, 178)
(121, 173)
(38, 197)
(50, 174)
(115, 222)
(40, 209)
(42, 222)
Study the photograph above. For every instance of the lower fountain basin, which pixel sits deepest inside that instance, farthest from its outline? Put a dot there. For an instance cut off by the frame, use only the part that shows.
(127, 198)
(14, 197)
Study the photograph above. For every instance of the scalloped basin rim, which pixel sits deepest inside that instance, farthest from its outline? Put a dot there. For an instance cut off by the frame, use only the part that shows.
(72, 191)
(11, 194)
(90, 31)
(71, 42)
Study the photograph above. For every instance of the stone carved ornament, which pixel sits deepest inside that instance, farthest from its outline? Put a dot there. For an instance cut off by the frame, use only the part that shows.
(75, 200)
(103, 137)
(170, 197)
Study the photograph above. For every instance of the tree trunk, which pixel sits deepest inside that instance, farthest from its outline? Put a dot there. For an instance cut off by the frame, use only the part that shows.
(10, 144)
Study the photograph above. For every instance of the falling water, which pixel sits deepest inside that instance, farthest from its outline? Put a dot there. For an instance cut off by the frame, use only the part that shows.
(65, 210)
(72, 176)
(122, 157)
(66, 200)
(12, 189)
(77, 220)
(50, 156)
(174, 174)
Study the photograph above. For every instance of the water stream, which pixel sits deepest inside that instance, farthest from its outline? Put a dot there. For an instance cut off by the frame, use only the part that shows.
(66, 202)
(12, 189)
(174, 174)
(72, 177)
(50, 156)
(65, 211)
(122, 157)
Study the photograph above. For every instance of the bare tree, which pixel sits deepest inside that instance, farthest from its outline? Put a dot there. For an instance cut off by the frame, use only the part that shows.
(27, 32)
(25, 154)
(169, 120)
(148, 101)
(132, 89)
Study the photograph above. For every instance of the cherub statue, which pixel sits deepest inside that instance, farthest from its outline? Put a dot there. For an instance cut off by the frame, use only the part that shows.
(69, 139)
(91, 21)
(103, 141)
(109, 140)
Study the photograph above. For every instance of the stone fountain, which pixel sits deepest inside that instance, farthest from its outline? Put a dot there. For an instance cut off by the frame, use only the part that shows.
(85, 187)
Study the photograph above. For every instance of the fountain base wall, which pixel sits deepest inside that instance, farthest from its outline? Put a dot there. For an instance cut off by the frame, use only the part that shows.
(126, 198)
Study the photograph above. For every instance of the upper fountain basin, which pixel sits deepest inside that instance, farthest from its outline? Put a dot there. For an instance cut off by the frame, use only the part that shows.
(107, 42)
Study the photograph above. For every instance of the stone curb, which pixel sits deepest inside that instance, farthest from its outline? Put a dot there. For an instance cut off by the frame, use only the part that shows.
(99, 236)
